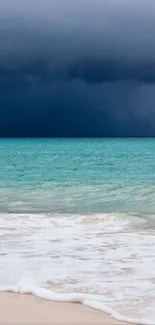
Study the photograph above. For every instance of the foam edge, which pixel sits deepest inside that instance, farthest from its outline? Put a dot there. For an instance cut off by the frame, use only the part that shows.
(85, 299)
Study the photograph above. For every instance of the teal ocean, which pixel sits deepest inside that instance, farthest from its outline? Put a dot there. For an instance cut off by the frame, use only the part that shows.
(77, 222)
(77, 175)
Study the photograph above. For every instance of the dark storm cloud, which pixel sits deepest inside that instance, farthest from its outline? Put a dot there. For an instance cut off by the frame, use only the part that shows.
(77, 68)
(101, 71)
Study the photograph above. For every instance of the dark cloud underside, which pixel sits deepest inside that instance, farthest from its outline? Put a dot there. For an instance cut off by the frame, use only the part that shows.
(77, 68)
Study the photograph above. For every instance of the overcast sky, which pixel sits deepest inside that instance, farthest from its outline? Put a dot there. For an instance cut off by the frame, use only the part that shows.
(77, 68)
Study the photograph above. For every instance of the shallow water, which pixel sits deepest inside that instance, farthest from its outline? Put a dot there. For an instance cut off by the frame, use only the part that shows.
(78, 216)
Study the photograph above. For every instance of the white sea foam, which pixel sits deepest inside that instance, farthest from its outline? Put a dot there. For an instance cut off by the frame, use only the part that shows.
(105, 259)
(91, 301)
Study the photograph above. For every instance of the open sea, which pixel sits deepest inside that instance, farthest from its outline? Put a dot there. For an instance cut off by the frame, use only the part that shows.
(77, 222)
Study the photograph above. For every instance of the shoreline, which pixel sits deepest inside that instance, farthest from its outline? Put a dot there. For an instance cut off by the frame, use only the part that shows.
(22, 309)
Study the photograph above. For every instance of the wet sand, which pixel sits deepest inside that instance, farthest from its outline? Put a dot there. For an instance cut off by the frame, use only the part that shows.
(28, 310)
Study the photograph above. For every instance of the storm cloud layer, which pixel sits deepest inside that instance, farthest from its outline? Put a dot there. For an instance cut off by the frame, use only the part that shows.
(77, 68)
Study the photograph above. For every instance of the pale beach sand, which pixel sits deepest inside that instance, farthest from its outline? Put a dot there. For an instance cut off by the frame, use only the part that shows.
(27, 309)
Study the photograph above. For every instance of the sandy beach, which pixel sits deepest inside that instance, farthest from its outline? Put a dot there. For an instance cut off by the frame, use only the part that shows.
(27, 309)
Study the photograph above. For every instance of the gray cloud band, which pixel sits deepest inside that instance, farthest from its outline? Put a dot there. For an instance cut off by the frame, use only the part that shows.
(99, 55)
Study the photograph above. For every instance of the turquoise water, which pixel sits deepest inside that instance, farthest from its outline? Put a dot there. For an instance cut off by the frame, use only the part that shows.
(77, 175)
(78, 216)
